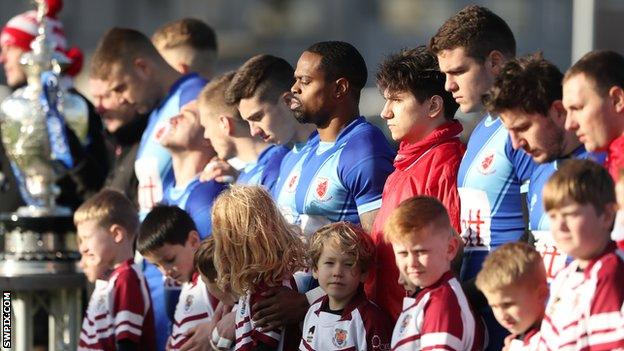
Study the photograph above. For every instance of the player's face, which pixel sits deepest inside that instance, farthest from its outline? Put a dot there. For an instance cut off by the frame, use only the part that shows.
(97, 247)
(311, 91)
(184, 132)
(590, 115)
(579, 230)
(215, 132)
(10, 57)
(176, 261)
(132, 86)
(115, 112)
(273, 122)
(424, 257)
(466, 78)
(518, 307)
(408, 120)
(540, 136)
(338, 275)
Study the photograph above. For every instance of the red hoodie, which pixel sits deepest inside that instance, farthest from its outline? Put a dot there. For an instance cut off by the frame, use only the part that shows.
(428, 167)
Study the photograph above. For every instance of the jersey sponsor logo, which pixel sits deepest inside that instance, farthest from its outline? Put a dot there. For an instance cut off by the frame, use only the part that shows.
(292, 183)
(321, 189)
(475, 218)
(405, 323)
(486, 166)
(340, 337)
(188, 303)
(310, 335)
(554, 260)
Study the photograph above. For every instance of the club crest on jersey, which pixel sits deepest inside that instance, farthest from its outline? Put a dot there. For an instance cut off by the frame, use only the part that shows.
(291, 186)
(486, 166)
(322, 189)
(310, 335)
(188, 303)
(405, 323)
(340, 337)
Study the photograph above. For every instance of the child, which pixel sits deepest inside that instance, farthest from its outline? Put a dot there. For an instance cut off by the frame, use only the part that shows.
(584, 310)
(168, 238)
(119, 315)
(513, 279)
(341, 255)
(255, 249)
(438, 316)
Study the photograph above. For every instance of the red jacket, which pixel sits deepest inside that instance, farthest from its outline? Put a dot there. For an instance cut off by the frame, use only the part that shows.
(428, 167)
(615, 157)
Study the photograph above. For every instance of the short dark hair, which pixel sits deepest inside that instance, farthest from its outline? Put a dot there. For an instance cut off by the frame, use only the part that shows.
(342, 60)
(416, 71)
(266, 76)
(186, 31)
(604, 67)
(530, 83)
(164, 225)
(476, 29)
(204, 259)
(120, 46)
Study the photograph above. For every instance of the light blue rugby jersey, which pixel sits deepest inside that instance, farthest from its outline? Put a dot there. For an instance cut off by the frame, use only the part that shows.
(196, 198)
(265, 170)
(489, 180)
(289, 175)
(539, 223)
(343, 179)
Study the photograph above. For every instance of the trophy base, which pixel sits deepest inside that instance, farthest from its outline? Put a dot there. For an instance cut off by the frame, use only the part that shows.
(44, 244)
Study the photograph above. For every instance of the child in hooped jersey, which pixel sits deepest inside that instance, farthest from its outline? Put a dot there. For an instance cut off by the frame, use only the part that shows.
(439, 315)
(584, 310)
(513, 279)
(340, 256)
(119, 315)
(168, 239)
(255, 249)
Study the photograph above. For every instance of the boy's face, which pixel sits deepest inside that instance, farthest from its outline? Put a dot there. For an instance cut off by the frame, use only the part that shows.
(214, 290)
(408, 120)
(338, 274)
(176, 261)
(518, 307)
(425, 256)
(97, 247)
(579, 230)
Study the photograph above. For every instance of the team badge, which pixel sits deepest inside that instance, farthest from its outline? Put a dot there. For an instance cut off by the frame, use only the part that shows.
(340, 337)
(486, 166)
(292, 183)
(321, 190)
(188, 303)
(405, 323)
(310, 335)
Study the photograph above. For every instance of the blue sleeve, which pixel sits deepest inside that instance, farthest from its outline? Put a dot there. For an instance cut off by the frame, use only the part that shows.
(365, 164)
(522, 162)
(191, 89)
(272, 169)
(199, 205)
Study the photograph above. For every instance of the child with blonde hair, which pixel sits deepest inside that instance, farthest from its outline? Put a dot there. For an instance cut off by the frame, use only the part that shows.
(513, 279)
(119, 315)
(255, 249)
(341, 255)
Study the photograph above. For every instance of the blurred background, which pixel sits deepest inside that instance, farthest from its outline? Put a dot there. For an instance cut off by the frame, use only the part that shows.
(562, 29)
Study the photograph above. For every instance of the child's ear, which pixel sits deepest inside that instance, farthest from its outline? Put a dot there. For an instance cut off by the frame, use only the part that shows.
(118, 232)
(315, 273)
(608, 215)
(193, 239)
(453, 246)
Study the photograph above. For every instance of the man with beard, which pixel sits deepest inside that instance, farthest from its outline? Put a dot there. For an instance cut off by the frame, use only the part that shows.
(527, 97)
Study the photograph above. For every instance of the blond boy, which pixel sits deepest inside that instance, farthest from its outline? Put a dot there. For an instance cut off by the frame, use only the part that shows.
(119, 315)
(513, 279)
(439, 315)
(584, 310)
(188, 45)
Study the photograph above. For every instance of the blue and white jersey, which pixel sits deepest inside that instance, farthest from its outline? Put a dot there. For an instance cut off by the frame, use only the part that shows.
(489, 180)
(196, 198)
(290, 173)
(341, 180)
(153, 162)
(265, 170)
(539, 223)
